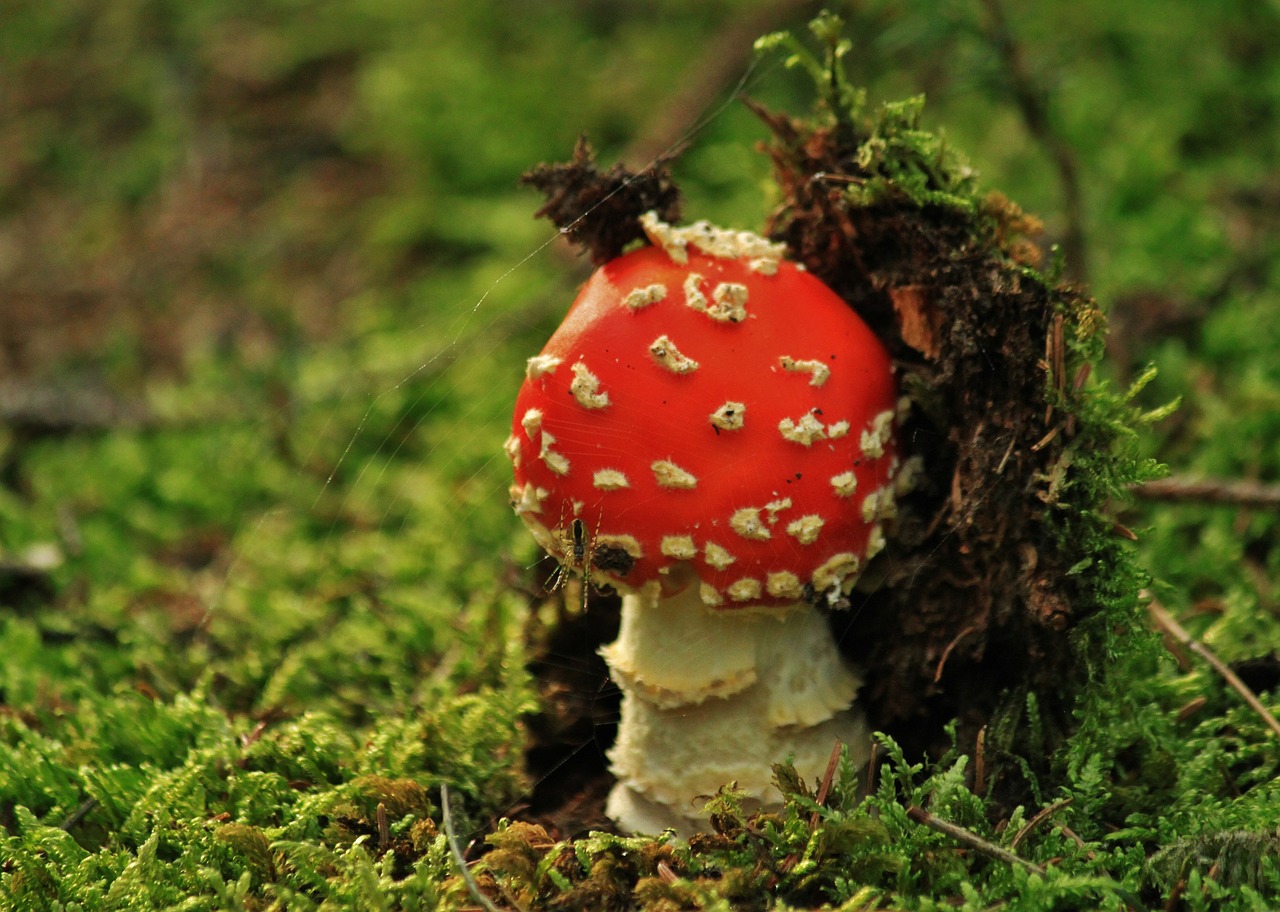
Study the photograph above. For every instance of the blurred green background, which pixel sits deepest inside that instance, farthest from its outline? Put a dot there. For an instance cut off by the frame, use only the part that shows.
(268, 281)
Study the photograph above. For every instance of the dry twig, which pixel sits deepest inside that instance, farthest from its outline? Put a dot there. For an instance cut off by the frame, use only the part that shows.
(384, 828)
(873, 761)
(1235, 492)
(1044, 814)
(970, 839)
(825, 789)
(79, 814)
(1168, 625)
(820, 798)
(446, 816)
(51, 410)
(980, 763)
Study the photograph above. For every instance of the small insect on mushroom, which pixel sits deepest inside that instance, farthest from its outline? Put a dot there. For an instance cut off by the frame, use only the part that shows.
(578, 551)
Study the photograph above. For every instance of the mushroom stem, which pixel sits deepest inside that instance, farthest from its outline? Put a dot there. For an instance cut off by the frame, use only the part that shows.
(717, 696)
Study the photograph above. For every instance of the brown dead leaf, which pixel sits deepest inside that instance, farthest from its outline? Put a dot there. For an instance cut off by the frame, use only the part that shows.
(919, 320)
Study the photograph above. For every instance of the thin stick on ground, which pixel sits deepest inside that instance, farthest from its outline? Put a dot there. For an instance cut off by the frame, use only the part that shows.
(1167, 624)
(384, 828)
(446, 815)
(1236, 492)
(825, 789)
(1043, 815)
(73, 820)
(970, 839)
(65, 410)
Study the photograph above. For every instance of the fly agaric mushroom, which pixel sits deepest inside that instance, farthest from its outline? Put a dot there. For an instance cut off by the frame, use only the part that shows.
(711, 431)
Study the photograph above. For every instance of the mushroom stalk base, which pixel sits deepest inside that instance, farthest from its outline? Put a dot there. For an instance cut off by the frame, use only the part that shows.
(713, 697)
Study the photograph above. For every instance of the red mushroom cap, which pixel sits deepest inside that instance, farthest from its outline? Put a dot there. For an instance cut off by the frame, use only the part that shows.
(720, 411)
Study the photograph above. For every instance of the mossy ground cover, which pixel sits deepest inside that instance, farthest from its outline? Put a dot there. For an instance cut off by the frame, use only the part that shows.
(250, 628)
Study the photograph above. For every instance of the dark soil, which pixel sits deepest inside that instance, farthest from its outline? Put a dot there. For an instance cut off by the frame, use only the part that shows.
(578, 719)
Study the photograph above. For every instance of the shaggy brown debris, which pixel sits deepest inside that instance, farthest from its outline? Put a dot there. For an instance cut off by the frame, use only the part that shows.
(599, 210)
(977, 601)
